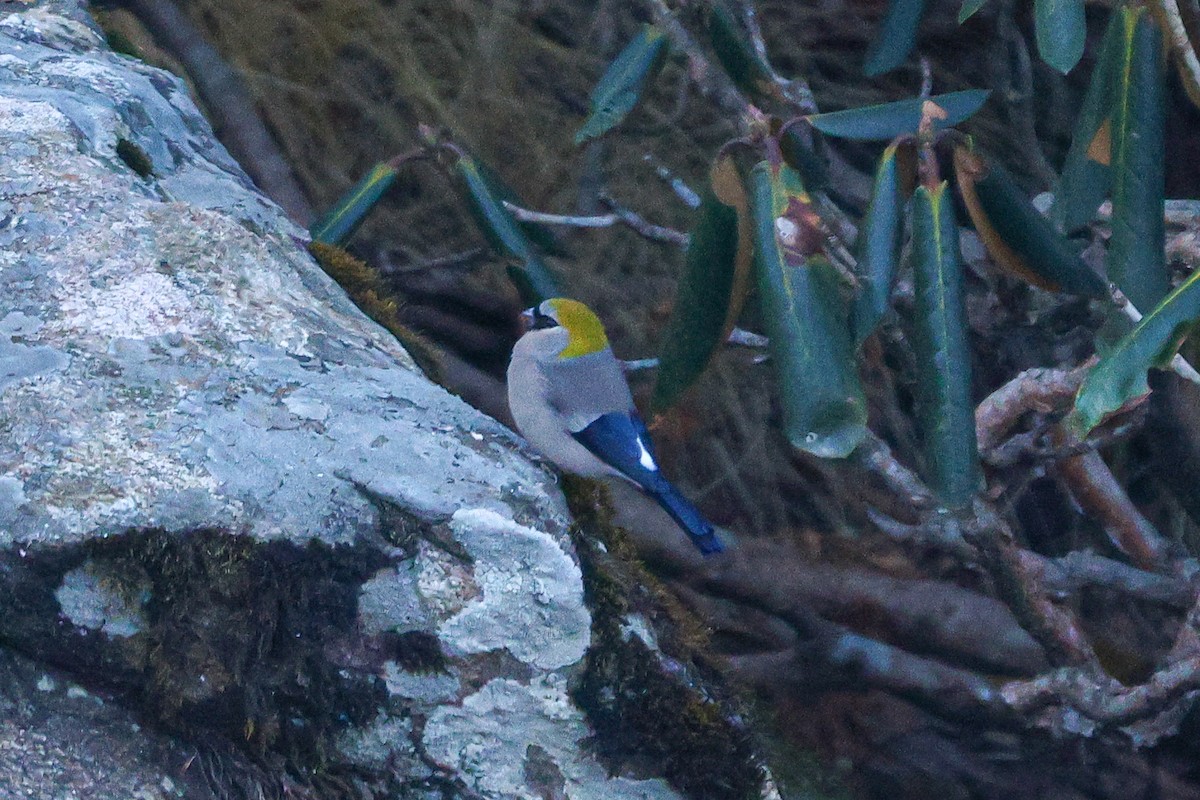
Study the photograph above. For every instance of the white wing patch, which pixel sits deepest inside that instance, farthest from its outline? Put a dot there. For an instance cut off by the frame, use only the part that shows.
(645, 459)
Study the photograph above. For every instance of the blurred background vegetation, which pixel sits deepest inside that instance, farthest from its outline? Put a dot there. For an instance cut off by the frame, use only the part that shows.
(344, 84)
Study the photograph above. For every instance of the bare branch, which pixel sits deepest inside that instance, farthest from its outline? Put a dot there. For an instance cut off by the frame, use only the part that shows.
(935, 617)
(684, 192)
(1041, 390)
(841, 657)
(795, 91)
(639, 364)
(1070, 573)
(714, 83)
(747, 338)
(1185, 54)
(229, 103)
(875, 455)
(1019, 586)
(1102, 497)
(926, 79)
(645, 229)
(620, 216)
(1105, 700)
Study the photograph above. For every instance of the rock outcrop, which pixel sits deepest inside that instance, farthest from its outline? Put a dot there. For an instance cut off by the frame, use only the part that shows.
(232, 503)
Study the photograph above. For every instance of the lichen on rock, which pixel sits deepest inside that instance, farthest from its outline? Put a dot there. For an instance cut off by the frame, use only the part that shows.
(232, 499)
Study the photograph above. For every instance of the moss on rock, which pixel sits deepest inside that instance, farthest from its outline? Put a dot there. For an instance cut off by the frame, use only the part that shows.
(369, 293)
(239, 637)
(653, 706)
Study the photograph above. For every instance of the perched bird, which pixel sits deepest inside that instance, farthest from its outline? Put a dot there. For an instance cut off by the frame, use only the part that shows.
(568, 396)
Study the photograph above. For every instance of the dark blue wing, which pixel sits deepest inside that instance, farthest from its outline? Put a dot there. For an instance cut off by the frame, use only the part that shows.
(620, 439)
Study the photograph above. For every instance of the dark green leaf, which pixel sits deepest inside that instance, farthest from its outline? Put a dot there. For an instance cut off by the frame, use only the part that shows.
(969, 7)
(940, 344)
(1136, 258)
(1020, 240)
(800, 157)
(542, 236)
(699, 318)
(1087, 171)
(805, 316)
(1121, 374)
(1061, 31)
(504, 234)
(342, 220)
(737, 55)
(895, 37)
(889, 120)
(621, 86)
(878, 247)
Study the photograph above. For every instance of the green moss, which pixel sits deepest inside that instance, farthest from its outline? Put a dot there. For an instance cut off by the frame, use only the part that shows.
(135, 158)
(113, 34)
(238, 636)
(371, 295)
(647, 719)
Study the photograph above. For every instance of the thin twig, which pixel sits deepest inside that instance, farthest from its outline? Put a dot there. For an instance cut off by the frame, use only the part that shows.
(747, 338)
(713, 83)
(1179, 364)
(926, 78)
(646, 229)
(1176, 212)
(1185, 54)
(677, 184)
(639, 364)
(619, 216)
(795, 91)
(875, 455)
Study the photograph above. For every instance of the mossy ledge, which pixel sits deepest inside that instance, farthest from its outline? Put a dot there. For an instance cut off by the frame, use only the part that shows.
(240, 641)
(367, 290)
(648, 718)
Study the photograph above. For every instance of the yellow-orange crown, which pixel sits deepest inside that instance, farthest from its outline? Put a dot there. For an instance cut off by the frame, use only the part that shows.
(584, 330)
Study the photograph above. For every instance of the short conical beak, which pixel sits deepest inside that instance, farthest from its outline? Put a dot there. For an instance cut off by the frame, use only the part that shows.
(527, 320)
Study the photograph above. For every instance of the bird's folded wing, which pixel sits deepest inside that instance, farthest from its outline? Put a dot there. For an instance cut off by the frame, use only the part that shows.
(584, 388)
(620, 439)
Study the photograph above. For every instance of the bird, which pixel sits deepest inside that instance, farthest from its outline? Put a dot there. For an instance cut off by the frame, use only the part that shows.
(569, 398)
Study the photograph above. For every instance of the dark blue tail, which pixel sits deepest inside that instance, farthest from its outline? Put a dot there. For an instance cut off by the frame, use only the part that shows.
(689, 518)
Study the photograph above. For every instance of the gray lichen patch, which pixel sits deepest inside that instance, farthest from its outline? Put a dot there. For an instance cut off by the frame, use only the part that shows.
(104, 600)
(170, 355)
(488, 739)
(532, 602)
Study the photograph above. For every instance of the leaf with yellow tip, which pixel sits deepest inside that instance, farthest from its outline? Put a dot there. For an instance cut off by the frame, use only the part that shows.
(1087, 172)
(620, 88)
(1019, 239)
(1120, 376)
(348, 213)
(886, 121)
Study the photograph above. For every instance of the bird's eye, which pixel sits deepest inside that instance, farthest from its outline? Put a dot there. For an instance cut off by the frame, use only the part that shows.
(542, 321)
